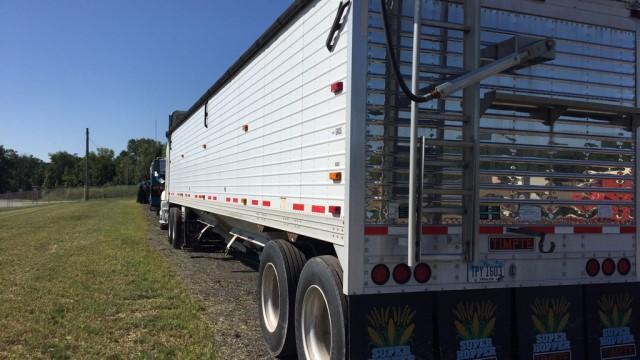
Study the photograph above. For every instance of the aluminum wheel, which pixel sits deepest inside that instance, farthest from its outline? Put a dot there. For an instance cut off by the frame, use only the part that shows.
(316, 325)
(270, 297)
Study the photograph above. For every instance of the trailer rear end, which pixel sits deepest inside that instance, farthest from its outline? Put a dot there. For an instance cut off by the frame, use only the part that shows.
(496, 222)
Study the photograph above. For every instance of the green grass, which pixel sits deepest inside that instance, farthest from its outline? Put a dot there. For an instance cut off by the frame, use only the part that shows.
(79, 280)
(95, 192)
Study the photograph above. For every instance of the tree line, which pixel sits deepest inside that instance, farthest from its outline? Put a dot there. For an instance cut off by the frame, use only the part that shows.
(20, 172)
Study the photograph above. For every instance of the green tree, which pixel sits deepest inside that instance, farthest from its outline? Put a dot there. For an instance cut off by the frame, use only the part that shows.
(102, 167)
(140, 154)
(63, 170)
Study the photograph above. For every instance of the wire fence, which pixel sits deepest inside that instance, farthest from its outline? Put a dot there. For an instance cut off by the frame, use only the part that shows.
(46, 196)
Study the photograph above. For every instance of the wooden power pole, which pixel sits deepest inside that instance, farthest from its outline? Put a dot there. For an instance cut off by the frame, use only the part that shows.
(86, 168)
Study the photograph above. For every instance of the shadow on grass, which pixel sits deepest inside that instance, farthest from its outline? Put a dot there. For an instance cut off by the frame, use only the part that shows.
(249, 259)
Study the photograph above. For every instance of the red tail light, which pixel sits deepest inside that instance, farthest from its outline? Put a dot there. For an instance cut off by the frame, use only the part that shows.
(593, 267)
(401, 273)
(422, 273)
(624, 266)
(608, 266)
(380, 274)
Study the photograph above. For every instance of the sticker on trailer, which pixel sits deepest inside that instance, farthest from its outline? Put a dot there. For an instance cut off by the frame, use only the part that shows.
(605, 211)
(486, 271)
(529, 213)
(510, 243)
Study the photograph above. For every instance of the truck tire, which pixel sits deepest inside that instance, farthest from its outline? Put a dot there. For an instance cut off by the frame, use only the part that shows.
(280, 266)
(177, 236)
(171, 224)
(320, 310)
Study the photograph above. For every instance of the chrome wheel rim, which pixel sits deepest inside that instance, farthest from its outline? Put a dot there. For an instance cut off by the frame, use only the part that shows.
(316, 324)
(270, 294)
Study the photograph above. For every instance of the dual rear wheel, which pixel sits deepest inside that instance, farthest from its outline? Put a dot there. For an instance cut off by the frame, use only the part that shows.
(301, 305)
(176, 233)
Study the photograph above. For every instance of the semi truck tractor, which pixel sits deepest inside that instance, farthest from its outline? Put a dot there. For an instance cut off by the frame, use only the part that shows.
(426, 179)
(156, 183)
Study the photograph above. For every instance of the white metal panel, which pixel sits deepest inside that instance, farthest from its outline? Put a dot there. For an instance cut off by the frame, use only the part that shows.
(295, 136)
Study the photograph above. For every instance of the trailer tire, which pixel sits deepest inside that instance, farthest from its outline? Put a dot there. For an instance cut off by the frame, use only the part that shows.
(170, 221)
(172, 224)
(320, 310)
(280, 266)
(175, 222)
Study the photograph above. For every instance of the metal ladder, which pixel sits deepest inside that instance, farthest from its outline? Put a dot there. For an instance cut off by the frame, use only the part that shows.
(517, 52)
(436, 200)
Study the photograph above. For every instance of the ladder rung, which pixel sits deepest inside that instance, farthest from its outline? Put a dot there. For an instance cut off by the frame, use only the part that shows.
(447, 191)
(446, 25)
(444, 163)
(445, 210)
(451, 143)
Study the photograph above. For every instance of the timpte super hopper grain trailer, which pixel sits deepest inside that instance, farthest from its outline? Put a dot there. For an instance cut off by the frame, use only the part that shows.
(426, 180)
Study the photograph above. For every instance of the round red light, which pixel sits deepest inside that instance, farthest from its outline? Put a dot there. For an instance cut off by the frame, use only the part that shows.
(380, 274)
(422, 273)
(608, 266)
(593, 267)
(401, 273)
(624, 266)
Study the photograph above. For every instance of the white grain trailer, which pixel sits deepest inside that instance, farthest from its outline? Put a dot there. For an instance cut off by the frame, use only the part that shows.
(493, 222)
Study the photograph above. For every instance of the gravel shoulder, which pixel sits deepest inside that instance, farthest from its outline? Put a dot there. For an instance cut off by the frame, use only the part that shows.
(226, 285)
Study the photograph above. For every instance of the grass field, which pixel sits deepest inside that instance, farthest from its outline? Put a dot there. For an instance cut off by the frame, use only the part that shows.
(78, 280)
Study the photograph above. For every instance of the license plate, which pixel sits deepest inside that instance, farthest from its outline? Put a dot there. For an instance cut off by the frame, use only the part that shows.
(486, 271)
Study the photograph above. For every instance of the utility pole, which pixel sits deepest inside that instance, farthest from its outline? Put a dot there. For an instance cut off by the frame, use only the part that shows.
(86, 168)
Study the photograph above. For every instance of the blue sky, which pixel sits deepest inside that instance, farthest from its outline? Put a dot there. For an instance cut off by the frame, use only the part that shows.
(115, 66)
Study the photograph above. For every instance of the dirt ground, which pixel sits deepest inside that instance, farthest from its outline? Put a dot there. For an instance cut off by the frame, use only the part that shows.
(227, 287)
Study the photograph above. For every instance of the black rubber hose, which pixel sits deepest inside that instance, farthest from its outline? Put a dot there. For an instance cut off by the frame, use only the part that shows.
(392, 59)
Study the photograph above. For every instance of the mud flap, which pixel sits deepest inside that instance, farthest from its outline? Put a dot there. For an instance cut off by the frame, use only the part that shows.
(474, 325)
(391, 326)
(613, 321)
(549, 323)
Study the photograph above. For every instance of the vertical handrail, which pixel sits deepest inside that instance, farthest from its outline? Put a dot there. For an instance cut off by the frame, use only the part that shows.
(471, 114)
(414, 221)
(419, 195)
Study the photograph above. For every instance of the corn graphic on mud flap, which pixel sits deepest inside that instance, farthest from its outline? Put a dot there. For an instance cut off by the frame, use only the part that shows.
(550, 323)
(391, 326)
(613, 321)
(537, 323)
(474, 325)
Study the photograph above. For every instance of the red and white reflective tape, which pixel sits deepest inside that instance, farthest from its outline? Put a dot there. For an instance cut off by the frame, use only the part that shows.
(316, 209)
(489, 229)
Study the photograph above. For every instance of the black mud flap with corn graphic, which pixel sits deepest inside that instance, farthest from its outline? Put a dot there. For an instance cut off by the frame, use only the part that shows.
(474, 325)
(549, 323)
(391, 327)
(613, 321)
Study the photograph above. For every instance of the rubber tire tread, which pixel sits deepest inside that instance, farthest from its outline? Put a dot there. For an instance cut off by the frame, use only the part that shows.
(177, 239)
(171, 225)
(281, 342)
(314, 273)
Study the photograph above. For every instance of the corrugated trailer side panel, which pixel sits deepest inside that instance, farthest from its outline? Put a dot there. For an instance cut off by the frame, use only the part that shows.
(272, 136)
